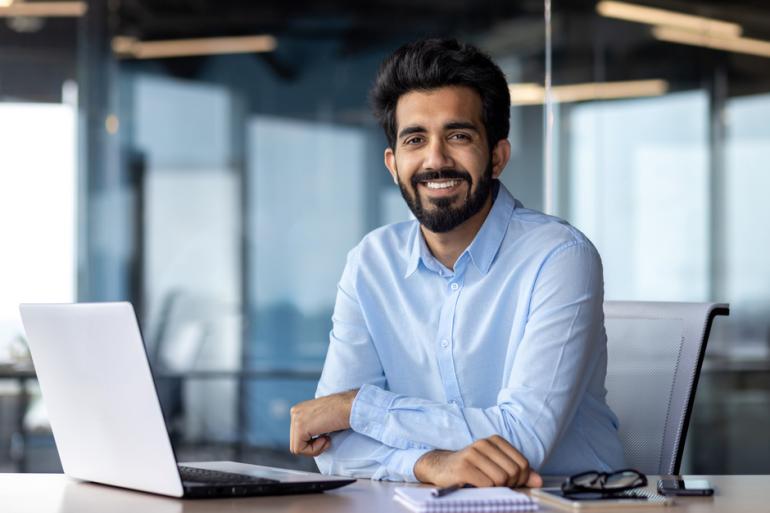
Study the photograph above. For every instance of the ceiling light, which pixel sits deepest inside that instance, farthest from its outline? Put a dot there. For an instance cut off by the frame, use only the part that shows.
(130, 47)
(11, 9)
(526, 94)
(735, 44)
(534, 94)
(652, 16)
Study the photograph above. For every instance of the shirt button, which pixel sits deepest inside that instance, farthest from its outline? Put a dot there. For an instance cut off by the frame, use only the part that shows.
(455, 286)
(444, 343)
(453, 402)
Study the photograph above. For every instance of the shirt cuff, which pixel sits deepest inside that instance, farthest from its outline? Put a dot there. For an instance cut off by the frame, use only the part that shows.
(401, 463)
(370, 406)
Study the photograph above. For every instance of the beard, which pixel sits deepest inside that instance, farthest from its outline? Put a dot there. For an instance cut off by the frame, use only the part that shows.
(444, 217)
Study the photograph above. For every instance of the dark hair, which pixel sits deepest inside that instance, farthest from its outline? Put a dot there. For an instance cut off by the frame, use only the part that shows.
(432, 63)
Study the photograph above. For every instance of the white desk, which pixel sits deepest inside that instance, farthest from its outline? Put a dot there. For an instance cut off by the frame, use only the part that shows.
(55, 493)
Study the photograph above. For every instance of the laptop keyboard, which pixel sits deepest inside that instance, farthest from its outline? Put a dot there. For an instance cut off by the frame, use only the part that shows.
(202, 475)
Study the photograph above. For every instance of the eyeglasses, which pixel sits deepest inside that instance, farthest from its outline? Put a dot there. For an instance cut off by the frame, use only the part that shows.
(605, 484)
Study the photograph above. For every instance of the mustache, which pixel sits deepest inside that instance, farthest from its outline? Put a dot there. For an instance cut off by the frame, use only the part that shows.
(444, 174)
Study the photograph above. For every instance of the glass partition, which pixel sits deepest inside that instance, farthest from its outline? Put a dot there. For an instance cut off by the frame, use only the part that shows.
(658, 154)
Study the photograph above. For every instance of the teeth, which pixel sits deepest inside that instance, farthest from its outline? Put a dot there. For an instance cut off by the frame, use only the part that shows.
(441, 185)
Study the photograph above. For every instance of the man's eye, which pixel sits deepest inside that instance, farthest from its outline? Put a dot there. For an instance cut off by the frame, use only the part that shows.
(413, 140)
(460, 137)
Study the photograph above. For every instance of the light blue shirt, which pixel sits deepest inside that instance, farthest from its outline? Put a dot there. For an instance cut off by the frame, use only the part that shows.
(510, 342)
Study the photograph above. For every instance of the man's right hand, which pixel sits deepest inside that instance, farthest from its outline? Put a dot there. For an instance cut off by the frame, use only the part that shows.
(487, 462)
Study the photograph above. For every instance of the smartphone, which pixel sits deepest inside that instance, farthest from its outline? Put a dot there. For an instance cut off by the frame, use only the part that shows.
(684, 487)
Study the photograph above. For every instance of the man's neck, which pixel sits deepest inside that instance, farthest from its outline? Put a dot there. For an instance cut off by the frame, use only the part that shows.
(448, 246)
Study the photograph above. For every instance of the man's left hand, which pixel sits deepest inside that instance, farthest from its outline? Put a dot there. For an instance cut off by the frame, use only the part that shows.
(312, 421)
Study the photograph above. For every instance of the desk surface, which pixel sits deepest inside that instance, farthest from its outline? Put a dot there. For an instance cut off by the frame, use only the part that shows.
(43, 493)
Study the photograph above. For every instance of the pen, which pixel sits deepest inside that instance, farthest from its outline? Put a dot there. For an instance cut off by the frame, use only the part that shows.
(441, 492)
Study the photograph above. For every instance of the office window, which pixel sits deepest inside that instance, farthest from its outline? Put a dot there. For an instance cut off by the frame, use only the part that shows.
(638, 186)
(747, 182)
(306, 196)
(191, 258)
(38, 218)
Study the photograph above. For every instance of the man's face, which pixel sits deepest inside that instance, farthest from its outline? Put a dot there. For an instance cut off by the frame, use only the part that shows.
(441, 158)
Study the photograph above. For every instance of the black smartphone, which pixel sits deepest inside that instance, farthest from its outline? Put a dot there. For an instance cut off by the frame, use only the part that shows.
(691, 487)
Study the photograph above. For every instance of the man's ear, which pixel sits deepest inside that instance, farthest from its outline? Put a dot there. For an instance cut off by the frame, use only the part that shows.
(501, 153)
(390, 163)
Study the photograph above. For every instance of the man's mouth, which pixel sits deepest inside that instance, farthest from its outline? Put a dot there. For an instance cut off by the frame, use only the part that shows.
(447, 184)
(442, 186)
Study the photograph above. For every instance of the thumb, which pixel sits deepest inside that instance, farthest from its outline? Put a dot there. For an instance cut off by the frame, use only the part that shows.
(327, 441)
(318, 445)
(534, 480)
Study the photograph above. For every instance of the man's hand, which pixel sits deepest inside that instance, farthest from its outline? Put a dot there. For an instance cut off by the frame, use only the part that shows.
(488, 462)
(312, 420)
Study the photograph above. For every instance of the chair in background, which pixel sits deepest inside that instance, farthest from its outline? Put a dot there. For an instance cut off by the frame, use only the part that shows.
(655, 352)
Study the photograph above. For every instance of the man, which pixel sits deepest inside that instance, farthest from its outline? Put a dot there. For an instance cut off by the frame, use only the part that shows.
(468, 345)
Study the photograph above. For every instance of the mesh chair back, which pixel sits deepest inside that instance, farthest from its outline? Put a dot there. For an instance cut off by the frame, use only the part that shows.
(654, 355)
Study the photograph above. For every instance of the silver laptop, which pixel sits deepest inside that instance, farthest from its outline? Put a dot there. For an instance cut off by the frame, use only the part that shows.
(106, 418)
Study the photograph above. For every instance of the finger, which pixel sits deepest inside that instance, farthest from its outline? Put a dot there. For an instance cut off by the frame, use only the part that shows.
(315, 446)
(535, 480)
(503, 459)
(485, 464)
(296, 441)
(516, 456)
(306, 446)
(324, 444)
(292, 436)
(471, 475)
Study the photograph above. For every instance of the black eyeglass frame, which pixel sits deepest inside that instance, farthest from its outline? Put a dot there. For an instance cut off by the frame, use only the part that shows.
(570, 487)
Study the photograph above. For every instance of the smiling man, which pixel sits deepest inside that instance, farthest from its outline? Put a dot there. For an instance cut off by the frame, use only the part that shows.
(468, 345)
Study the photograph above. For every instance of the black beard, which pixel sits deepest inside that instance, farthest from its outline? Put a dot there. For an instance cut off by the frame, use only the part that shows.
(444, 217)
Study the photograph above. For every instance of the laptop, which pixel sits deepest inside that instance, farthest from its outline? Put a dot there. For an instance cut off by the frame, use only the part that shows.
(106, 417)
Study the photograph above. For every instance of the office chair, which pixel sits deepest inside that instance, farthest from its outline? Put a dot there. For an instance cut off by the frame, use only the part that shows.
(655, 352)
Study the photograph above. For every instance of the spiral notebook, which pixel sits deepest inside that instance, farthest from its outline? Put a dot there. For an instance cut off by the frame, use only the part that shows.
(471, 500)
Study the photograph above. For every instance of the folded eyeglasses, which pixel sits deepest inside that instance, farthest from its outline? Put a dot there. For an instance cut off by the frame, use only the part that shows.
(603, 484)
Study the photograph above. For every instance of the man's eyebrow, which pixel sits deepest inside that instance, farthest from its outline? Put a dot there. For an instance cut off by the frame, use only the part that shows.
(414, 129)
(466, 125)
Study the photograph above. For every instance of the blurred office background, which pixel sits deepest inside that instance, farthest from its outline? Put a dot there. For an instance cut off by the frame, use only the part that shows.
(219, 188)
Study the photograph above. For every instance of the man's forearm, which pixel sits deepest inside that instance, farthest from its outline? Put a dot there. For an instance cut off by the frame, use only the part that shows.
(352, 454)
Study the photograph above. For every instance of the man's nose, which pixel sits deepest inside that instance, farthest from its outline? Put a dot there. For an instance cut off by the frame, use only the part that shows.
(437, 156)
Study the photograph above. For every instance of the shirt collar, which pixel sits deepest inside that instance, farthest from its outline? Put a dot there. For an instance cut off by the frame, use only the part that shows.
(487, 241)
(416, 240)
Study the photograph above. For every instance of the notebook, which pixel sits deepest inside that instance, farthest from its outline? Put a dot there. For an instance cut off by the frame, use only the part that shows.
(482, 500)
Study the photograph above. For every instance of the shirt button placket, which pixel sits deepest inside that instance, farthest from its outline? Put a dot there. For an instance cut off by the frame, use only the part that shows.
(445, 363)
(453, 388)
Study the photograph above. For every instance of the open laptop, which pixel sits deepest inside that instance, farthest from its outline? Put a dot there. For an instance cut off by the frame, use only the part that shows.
(106, 418)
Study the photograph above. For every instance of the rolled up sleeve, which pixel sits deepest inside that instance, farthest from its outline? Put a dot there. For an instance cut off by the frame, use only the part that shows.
(352, 362)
